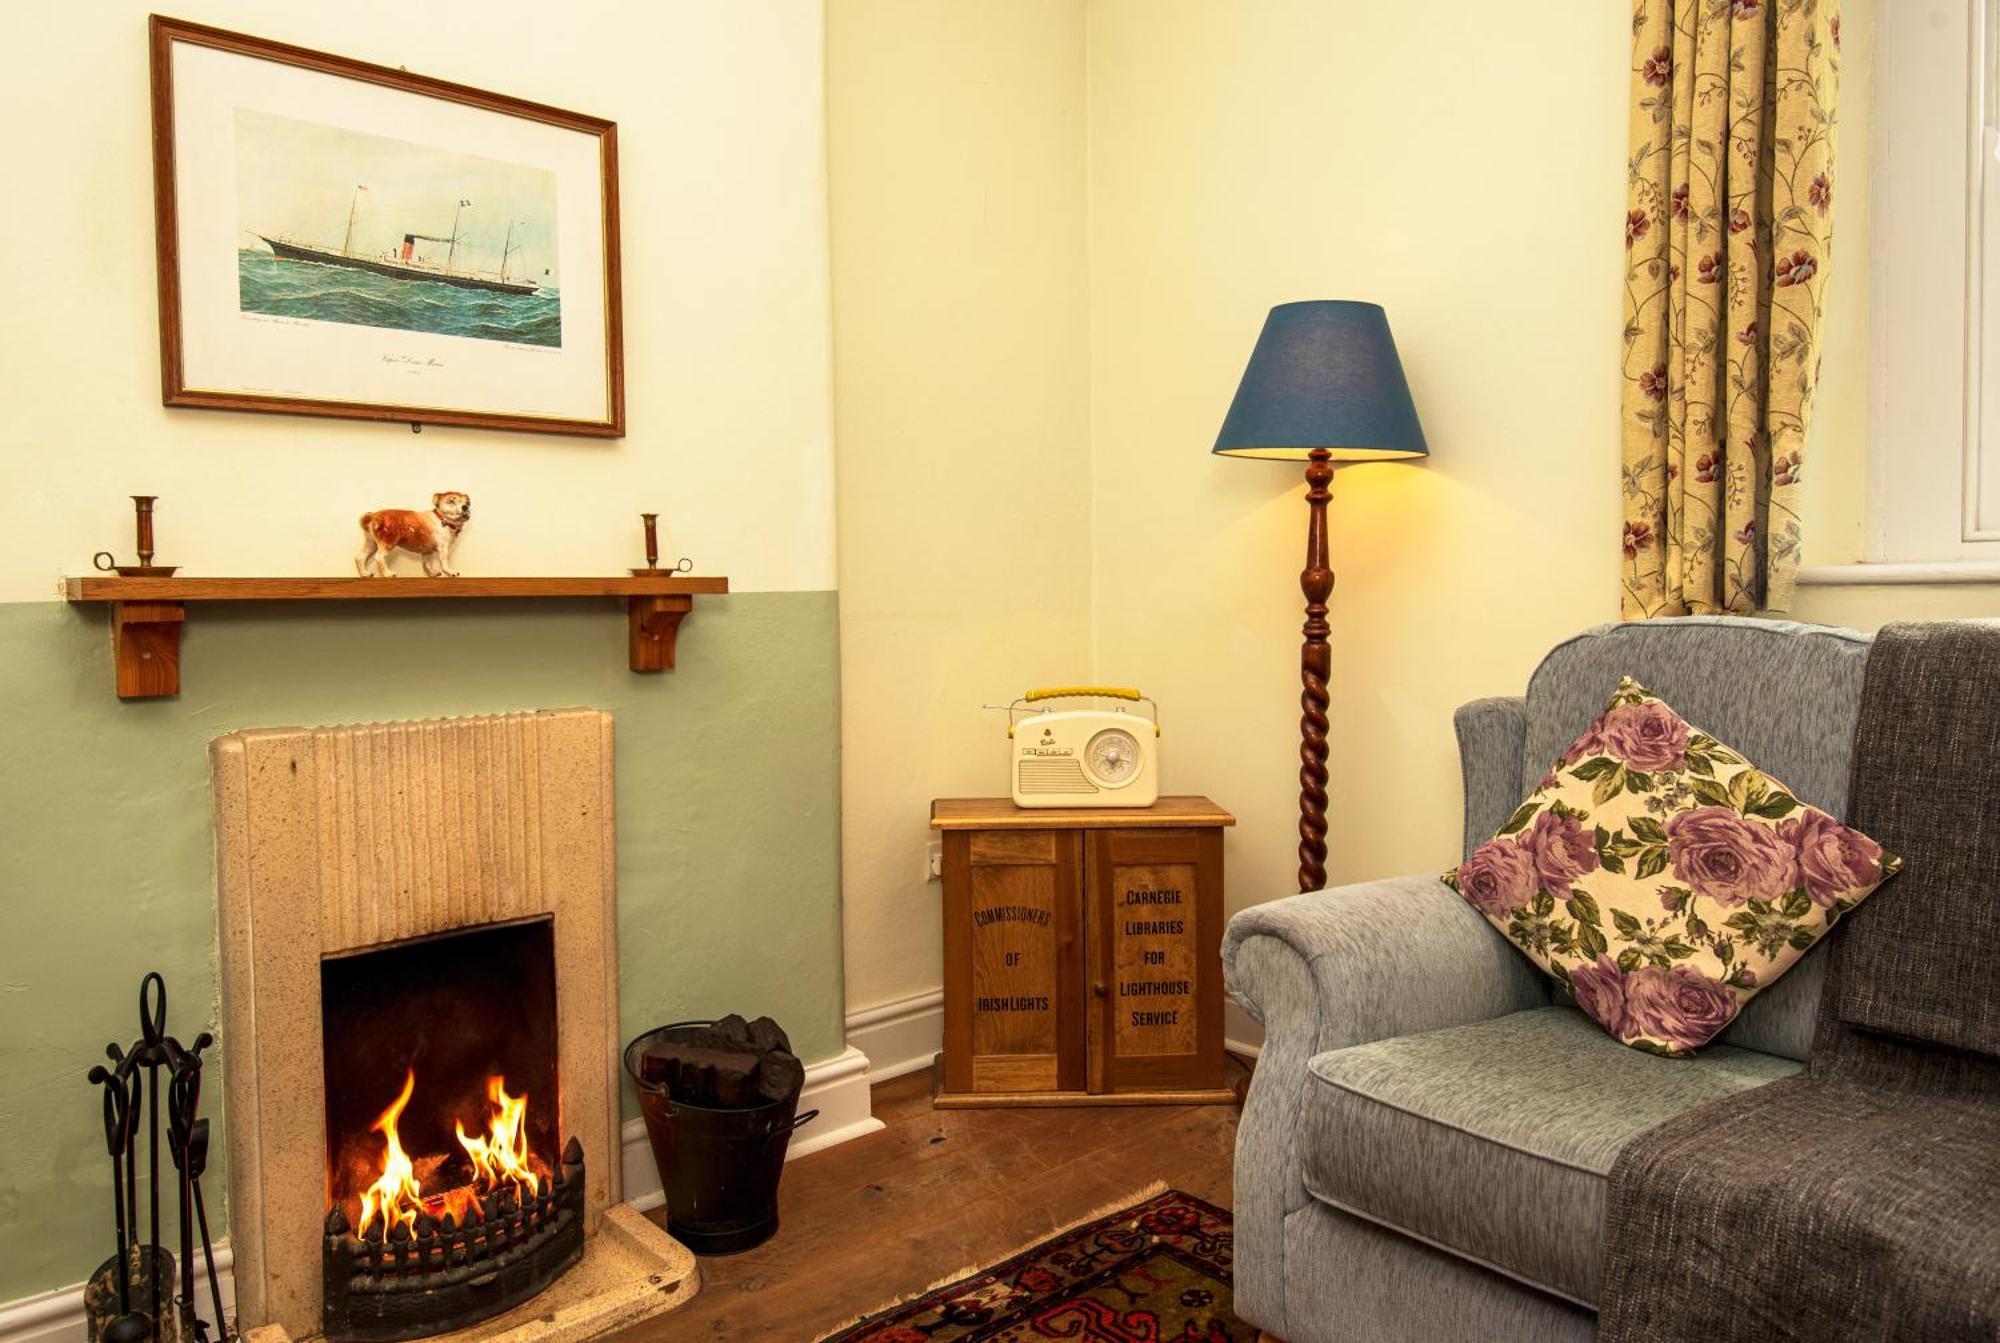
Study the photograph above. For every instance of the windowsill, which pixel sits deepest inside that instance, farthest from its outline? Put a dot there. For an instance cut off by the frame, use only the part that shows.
(1936, 571)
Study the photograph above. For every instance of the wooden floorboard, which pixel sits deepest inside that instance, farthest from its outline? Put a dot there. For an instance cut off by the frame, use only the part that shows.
(938, 1192)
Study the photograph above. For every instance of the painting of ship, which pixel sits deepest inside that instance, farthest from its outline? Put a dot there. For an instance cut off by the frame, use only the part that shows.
(344, 227)
(404, 264)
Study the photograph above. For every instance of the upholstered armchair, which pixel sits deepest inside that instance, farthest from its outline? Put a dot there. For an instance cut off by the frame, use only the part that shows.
(1424, 1148)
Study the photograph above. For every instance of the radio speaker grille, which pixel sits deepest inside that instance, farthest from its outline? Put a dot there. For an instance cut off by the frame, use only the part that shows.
(1052, 776)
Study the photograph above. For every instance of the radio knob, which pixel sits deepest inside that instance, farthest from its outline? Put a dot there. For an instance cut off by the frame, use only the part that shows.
(1113, 755)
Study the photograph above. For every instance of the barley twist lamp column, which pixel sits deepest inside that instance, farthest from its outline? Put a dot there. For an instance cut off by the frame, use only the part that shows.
(1323, 385)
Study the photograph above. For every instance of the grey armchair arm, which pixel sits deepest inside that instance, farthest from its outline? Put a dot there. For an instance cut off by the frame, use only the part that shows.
(1337, 968)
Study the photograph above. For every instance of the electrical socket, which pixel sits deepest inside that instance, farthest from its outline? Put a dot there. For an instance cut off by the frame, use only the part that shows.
(934, 860)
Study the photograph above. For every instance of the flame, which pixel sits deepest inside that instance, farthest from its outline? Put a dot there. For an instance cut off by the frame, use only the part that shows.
(395, 1195)
(500, 1159)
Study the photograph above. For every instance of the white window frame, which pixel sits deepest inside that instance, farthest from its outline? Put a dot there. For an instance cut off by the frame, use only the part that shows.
(1934, 430)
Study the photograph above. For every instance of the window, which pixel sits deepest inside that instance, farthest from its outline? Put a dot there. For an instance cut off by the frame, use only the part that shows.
(1934, 431)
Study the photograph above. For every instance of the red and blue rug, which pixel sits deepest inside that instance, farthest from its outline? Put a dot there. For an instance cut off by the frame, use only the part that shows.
(1156, 1272)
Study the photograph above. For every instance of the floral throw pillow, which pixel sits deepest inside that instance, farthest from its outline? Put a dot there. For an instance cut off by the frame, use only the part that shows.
(1663, 879)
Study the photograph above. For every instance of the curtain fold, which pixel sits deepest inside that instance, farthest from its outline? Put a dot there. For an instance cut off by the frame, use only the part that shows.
(1728, 227)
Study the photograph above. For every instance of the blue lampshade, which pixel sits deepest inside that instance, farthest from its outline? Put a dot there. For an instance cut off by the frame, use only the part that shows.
(1324, 375)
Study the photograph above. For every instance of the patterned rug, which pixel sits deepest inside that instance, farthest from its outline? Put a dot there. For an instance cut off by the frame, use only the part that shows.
(1155, 1272)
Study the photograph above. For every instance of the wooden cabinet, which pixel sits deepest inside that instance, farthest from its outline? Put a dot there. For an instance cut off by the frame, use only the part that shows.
(1082, 953)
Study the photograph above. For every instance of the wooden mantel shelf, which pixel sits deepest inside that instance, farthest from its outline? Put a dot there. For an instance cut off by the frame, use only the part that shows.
(148, 613)
(96, 589)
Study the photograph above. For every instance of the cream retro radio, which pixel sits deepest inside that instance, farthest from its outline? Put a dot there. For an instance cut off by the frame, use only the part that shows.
(1084, 757)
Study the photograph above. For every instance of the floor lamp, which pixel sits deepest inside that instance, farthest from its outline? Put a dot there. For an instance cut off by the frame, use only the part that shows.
(1323, 385)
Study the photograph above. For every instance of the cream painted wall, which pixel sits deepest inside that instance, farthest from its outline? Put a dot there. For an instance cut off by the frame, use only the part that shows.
(956, 139)
(722, 157)
(1463, 174)
(1871, 606)
(1468, 175)
(1239, 155)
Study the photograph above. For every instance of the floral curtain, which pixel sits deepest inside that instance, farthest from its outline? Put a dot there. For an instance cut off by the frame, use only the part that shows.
(1727, 229)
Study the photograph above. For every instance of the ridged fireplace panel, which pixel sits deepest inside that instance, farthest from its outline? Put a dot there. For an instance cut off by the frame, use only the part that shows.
(430, 826)
(335, 839)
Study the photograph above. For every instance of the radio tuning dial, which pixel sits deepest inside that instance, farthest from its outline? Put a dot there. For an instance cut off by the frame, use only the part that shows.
(1113, 756)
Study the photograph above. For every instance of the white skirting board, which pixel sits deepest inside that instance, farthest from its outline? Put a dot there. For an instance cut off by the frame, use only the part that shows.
(837, 1088)
(899, 1037)
(904, 1035)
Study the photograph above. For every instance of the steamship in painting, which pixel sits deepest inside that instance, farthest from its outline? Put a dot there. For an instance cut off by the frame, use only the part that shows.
(405, 264)
(349, 228)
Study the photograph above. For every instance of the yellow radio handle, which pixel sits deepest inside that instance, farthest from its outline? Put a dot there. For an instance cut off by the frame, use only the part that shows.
(1079, 691)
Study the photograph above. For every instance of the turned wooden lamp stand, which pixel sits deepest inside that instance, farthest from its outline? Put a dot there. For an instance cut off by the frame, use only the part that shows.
(1315, 666)
(1324, 384)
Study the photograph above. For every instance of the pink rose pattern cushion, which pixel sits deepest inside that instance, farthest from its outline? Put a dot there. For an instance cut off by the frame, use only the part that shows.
(1663, 879)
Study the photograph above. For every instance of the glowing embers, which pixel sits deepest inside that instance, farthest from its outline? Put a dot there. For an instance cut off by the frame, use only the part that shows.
(500, 1161)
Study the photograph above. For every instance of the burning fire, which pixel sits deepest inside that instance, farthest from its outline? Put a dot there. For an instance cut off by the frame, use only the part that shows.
(395, 1196)
(501, 1157)
(499, 1160)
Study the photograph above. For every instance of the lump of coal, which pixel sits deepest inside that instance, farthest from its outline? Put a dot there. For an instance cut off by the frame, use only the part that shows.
(731, 1033)
(768, 1035)
(693, 1075)
(781, 1075)
(728, 1063)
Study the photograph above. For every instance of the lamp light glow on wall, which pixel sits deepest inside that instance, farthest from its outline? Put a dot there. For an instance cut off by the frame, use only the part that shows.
(1324, 385)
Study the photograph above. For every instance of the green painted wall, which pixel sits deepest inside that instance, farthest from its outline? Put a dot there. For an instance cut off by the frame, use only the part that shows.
(728, 832)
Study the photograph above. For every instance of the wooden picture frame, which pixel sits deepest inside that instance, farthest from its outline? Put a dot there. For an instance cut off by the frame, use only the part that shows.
(256, 145)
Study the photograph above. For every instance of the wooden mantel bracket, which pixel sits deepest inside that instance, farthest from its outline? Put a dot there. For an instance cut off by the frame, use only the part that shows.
(655, 622)
(146, 642)
(148, 614)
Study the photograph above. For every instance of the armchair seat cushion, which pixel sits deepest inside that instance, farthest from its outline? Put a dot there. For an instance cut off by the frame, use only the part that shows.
(1494, 1140)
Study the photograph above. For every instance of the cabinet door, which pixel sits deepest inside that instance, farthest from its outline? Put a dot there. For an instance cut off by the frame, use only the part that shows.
(1156, 968)
(1014, 961)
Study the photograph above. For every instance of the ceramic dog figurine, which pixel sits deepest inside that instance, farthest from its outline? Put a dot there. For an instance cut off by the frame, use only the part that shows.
(429, 536)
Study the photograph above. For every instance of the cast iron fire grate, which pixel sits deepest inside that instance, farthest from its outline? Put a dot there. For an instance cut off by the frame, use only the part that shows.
(438, 1275)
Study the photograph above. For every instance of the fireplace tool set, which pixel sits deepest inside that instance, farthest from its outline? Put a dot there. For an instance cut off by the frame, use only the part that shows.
(131, 1298)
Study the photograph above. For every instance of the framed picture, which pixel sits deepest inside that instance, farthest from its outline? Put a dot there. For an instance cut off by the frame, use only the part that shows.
(340, 238)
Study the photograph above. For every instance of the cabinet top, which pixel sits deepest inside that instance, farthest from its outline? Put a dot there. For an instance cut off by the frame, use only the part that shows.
(1000, 813)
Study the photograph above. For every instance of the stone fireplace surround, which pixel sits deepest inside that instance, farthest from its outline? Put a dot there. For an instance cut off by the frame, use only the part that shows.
(335, 839)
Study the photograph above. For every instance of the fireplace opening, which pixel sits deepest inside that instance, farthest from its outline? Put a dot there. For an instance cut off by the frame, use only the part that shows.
(450, 1196)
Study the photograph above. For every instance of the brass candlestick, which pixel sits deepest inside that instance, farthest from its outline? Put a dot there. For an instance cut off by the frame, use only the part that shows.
(653, 569)
(142, 504)
(142, 508)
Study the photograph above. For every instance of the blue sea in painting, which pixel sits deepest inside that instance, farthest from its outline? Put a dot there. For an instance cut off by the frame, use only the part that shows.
(322, 293)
